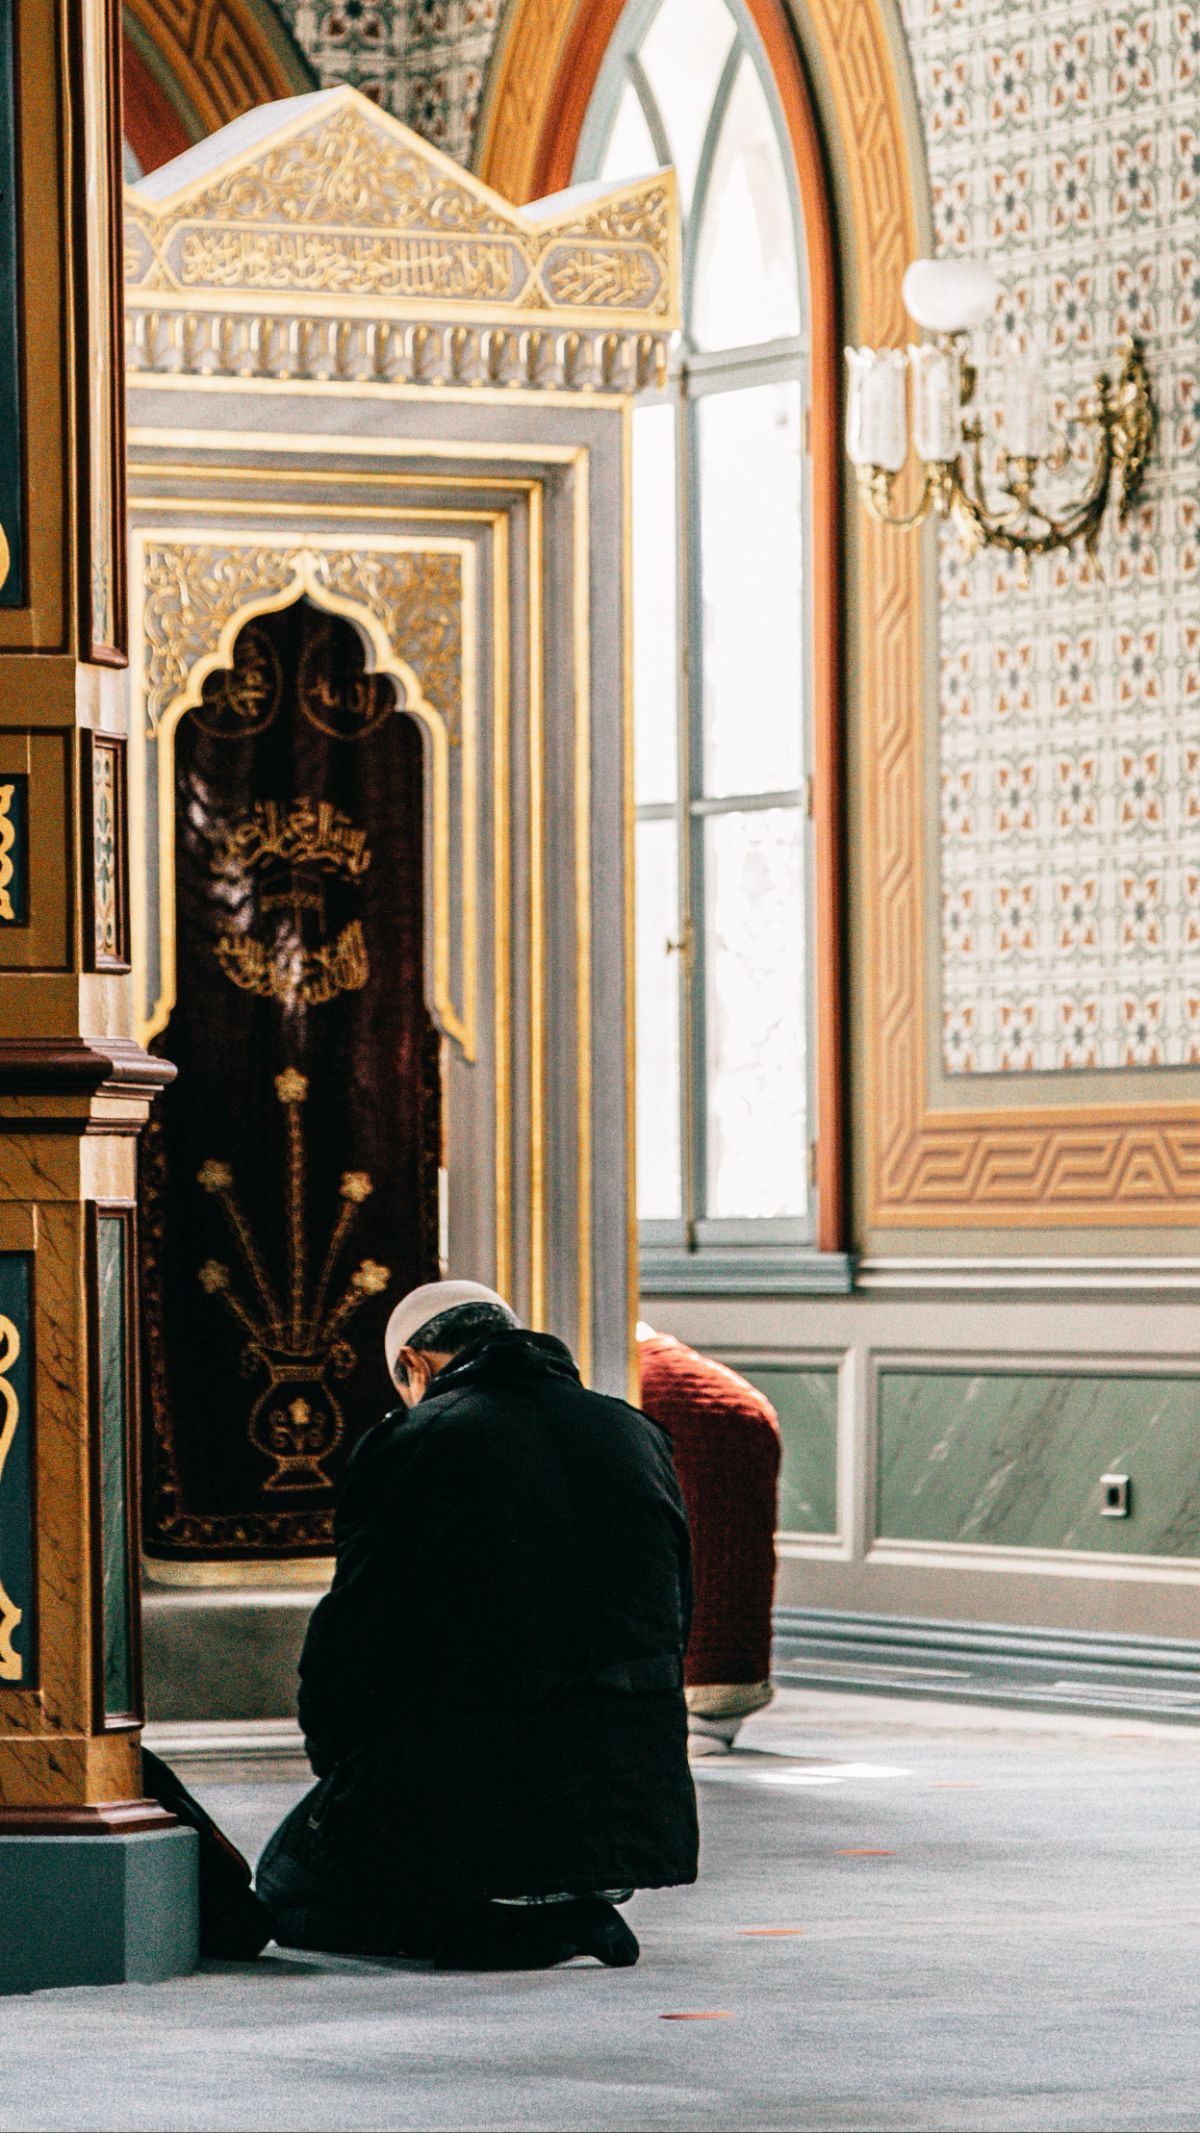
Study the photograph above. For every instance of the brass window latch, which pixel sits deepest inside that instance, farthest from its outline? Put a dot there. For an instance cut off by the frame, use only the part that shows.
(685, 946)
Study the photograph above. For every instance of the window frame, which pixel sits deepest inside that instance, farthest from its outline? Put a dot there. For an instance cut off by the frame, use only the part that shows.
(695, 1250)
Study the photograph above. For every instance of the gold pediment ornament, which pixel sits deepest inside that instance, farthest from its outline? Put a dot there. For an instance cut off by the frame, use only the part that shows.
(328, 199)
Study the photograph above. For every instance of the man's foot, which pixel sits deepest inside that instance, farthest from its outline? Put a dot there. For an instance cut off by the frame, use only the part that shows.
(596, 1928)
(540, 1937)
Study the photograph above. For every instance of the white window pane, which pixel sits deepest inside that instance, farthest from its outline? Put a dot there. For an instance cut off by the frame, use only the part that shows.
(630, 152)
(757, 1078)
(752, 564)
(683, 54)
(659, 1185)
(655, 604)
(747, 286)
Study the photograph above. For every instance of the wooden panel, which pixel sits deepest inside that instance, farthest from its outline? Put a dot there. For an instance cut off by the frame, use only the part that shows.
(12, 471)
(42, 940)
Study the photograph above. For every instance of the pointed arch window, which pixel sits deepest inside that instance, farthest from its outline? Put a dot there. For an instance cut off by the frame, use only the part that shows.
(722, 655)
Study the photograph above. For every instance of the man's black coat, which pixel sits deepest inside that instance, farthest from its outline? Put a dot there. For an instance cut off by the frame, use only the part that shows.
(493, 1685)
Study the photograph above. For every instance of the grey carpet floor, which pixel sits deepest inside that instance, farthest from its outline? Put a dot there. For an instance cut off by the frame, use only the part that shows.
(994, 1922)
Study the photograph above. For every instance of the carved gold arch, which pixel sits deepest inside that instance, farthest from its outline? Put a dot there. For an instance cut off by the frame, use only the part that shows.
(1070, 1165)
(194, 593)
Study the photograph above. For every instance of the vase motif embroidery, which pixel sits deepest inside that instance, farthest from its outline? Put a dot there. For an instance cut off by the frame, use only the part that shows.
(299, 1340)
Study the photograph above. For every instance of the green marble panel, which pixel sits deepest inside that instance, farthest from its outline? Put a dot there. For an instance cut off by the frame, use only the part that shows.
(18, 1621)
(806, 1402)
(1014, 1459)
(114, 1466)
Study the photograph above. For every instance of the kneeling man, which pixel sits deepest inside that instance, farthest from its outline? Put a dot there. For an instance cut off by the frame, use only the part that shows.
(492, 1690)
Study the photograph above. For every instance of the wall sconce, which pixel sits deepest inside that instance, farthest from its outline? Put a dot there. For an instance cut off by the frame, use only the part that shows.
(947, 297)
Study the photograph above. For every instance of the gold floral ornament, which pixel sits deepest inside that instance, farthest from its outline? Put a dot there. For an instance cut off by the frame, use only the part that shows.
(12, 1665)
(8, 837)
(297, 1339)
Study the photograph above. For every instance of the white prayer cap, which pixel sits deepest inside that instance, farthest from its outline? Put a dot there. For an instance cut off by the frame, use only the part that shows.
(422, 1305)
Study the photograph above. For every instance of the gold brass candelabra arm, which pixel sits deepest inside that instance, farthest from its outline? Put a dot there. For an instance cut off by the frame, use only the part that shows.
(1124, 420)
(877, 486)
(1135, 423)
(1022, 528)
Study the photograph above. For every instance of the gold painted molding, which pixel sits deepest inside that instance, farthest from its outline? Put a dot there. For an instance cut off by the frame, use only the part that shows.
(196, 589)
(1063, 1166)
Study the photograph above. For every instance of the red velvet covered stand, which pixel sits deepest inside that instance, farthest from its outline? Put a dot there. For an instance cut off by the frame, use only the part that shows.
(727, 1452)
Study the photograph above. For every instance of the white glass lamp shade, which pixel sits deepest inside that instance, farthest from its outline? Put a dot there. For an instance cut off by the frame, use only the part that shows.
(937, 421)
(949, 295)
(876, 417)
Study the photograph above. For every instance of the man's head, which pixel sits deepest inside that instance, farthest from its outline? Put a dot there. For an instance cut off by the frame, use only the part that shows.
(432, 1325)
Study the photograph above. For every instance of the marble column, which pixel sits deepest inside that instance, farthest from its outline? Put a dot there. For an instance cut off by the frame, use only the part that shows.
(96, 1883)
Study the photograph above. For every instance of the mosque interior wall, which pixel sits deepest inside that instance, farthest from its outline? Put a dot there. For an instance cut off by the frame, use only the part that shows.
(948, 1424)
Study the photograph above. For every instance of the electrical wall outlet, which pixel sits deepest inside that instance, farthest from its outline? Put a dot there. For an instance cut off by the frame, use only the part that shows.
(1114, 1495)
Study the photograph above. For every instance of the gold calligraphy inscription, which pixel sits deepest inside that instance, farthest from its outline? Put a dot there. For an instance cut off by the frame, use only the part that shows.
(12, 1666)
(244, 699)
(352, 263)
(280, 858)
(607, 277)
(8, 834)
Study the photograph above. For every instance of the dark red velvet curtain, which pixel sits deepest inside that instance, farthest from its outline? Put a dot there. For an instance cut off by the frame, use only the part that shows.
(289, 1179)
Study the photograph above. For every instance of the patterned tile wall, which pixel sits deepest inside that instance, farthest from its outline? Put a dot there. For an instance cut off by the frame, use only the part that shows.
(423, 59)
(1064, 144)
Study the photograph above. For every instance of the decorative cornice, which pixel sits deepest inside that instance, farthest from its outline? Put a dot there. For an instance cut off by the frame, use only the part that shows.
(214, 342)
(45, 1066)
(339, 246)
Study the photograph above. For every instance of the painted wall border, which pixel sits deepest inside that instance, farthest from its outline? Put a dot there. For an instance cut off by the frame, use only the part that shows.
(1071, 1165)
